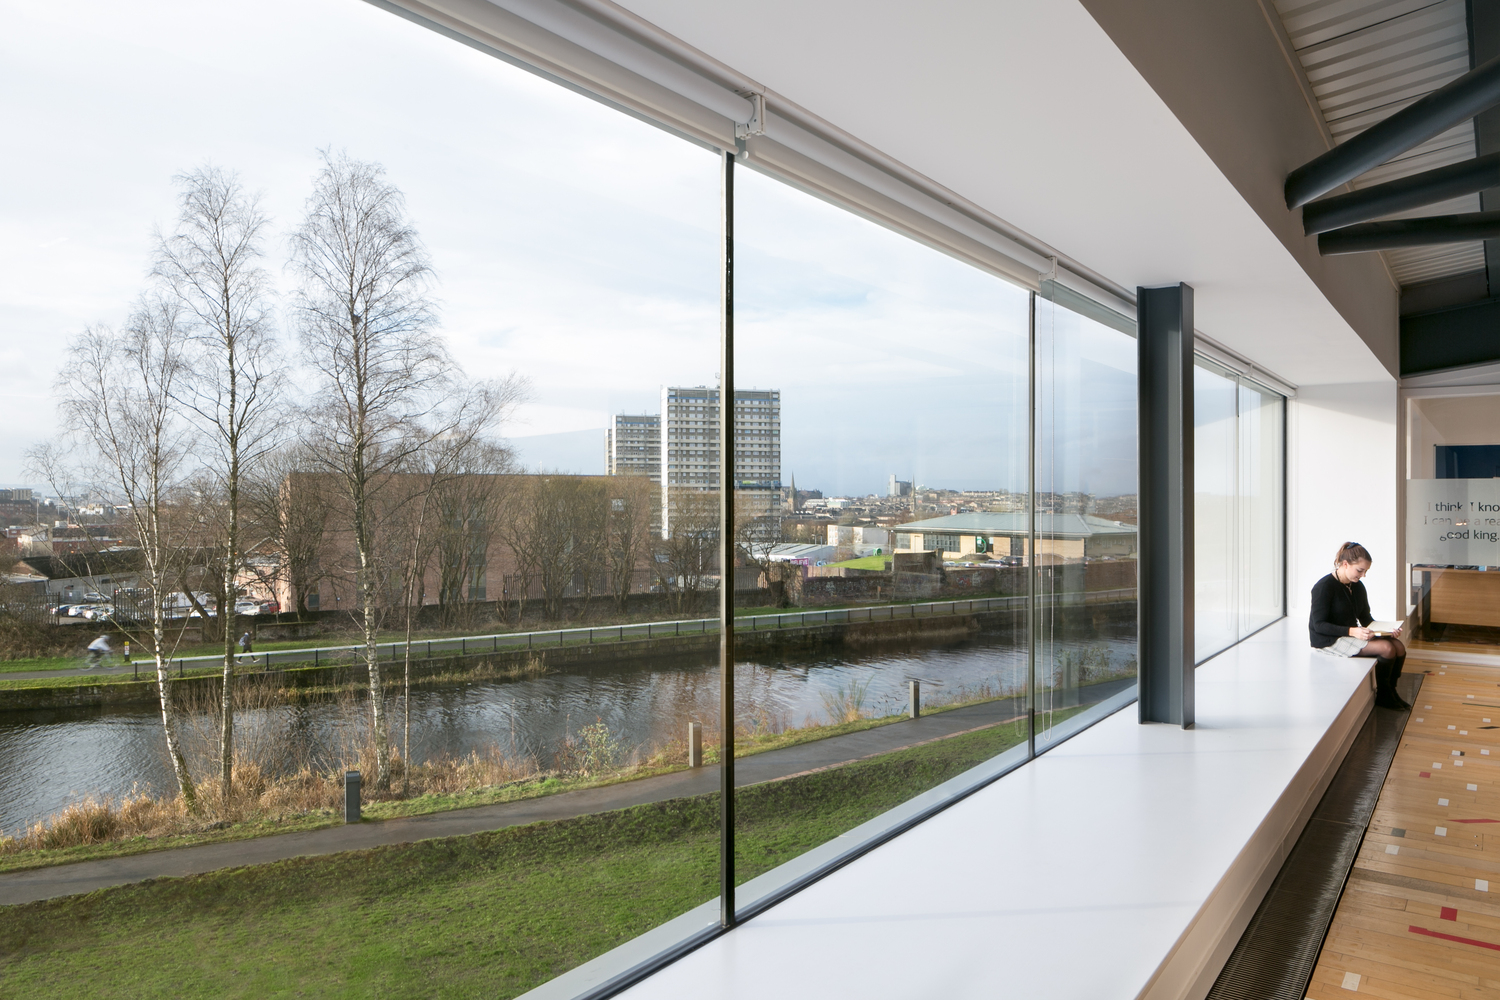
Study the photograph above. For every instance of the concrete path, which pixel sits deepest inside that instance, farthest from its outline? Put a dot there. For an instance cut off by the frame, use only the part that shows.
(86, 876)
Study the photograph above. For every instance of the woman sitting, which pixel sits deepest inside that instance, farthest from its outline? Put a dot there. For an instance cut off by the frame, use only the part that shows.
(1339, 620)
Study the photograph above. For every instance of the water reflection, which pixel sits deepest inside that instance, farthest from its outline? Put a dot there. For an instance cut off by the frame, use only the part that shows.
(48, 759)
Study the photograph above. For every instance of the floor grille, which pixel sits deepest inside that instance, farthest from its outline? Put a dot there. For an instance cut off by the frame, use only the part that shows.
(1275, 957)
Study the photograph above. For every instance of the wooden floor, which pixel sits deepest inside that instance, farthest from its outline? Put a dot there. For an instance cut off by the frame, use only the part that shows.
(1417, 918)
(1435, 650)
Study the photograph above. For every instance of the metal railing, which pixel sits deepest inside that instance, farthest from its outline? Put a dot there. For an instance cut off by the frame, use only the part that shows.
(471, 645)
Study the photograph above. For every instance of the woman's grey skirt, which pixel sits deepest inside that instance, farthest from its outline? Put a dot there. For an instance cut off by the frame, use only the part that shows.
(1346, 645)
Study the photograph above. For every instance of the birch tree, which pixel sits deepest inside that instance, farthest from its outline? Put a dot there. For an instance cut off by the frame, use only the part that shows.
(117, 397)
(213, 264)
(367, 323)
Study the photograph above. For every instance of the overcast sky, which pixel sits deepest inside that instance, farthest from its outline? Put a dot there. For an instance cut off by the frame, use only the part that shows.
(574, 245)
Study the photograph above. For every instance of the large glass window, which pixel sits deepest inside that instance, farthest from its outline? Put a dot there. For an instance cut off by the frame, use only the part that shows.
(933, 571)
(1085, 557)
(1238, 498)
(888, 509)
(542, 235)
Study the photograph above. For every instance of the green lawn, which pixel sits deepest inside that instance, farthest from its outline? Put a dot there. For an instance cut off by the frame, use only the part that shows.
(141, 652)
(487, 915)
(745, 746)
(868, 562)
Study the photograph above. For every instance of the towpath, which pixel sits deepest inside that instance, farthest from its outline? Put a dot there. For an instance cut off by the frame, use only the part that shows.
(86, 876)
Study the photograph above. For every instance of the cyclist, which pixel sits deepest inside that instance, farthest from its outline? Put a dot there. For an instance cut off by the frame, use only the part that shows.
(98, 650)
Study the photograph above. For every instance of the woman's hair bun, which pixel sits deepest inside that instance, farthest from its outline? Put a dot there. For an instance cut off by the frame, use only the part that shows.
(1352, 552)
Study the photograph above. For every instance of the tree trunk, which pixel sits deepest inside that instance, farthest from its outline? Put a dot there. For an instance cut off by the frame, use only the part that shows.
(378, 725)
(406, 712)
(226, 616)
(169, 728)
(416, 585)
(231, 567)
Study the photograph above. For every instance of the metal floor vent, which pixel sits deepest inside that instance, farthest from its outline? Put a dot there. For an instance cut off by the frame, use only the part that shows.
(1275, 957)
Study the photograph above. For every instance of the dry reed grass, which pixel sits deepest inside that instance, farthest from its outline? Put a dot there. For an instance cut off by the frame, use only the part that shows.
(257, 797)
(846, 703)
(278, 774)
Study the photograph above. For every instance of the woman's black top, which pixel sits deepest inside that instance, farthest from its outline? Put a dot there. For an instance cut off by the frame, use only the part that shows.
(1336, 609)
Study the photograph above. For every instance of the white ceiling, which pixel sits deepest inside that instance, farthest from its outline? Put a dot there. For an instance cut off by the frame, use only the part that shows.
(1032, 112)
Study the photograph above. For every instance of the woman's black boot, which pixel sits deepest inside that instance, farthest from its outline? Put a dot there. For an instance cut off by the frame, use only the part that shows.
(1386, 672)
(1396, 665)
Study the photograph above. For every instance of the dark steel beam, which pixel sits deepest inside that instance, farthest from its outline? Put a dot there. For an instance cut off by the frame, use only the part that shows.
(1456, 337)
(1427, 188)
(1484, 45)
(1475, 91)
(1164, 375)
(1429, 231)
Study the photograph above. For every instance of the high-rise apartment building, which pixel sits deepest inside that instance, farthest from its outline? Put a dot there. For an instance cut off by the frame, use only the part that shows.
(690, 444)
(632, 446)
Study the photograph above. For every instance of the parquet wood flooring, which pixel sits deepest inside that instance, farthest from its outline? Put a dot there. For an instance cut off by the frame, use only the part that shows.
(1417, 920)
(1435, 650)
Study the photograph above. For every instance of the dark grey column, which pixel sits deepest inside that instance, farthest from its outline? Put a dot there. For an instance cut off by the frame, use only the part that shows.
(1165, 379)
(726, 551)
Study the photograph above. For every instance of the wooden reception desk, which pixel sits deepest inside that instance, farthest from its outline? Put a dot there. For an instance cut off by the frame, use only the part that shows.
(1465, 597)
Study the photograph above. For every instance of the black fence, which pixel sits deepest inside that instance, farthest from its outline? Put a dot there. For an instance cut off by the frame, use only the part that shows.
(124, 607)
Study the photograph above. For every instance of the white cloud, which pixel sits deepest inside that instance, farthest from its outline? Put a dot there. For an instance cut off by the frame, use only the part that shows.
(575, 245)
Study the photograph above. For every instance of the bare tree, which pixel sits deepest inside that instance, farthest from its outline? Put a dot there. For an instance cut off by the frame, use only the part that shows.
(49, 462)
(757, 532)
(117, 398)
(471, 484)
(686, 556)
(212, 262)
(516, 530)
(458, 489)
(590, 517)
(627, 533)
(557, 522)
(386, 383)
(288, 514)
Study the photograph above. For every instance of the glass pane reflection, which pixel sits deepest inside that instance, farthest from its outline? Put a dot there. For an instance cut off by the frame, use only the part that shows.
(1085, 560)
(896, 526)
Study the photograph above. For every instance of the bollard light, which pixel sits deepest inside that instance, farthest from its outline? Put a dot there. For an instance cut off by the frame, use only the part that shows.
(915, 688)
(351, 796)
(695, 744)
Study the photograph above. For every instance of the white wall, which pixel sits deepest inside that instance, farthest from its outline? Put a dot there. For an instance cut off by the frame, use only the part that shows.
(1342, 446)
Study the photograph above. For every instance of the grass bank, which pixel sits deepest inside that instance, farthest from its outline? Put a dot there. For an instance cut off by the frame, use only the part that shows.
(93, 830)
(487, 915)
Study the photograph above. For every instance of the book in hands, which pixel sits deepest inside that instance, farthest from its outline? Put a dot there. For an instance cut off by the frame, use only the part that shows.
(1385, 628)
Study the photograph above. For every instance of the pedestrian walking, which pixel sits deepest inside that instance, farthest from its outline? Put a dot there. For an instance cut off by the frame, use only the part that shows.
(245, 644)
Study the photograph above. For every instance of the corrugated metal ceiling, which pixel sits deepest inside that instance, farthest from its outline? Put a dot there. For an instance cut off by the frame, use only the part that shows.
(1367, 59)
